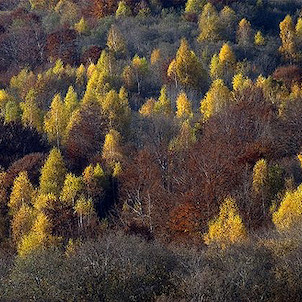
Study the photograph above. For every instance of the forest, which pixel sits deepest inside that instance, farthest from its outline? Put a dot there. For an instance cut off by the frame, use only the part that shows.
(150, 151)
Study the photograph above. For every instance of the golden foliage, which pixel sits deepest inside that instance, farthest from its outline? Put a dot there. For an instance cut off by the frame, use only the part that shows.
(228, 227)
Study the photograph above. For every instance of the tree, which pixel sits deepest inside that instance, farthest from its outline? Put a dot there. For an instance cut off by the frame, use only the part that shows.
(82, 27)
(240, 82)
(289, 213)
(71, 190)
(116, 42)
(227, 227)
(12, 112)
(147, 108)
(209, 24)
(227, 57)
(123, 10)
(183, 106)
(227, 20)
(116, 107)
(260, 175)
(217, 98)
(22, 222)
(135, 73)
(38, 238)
(163, 105)
(155, 56)
(215, 68)
(21, 193)
(31, 114)
(224, 63)
(55, 121)
(84, 209)
(53, 173)
(186, 67)
(244, 33)
(259, 39)
(288, 36)
(70, 102)
(185, 139)
(112, 147)
(194, 6)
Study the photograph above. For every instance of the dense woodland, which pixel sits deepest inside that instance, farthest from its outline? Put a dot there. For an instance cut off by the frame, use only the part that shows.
(150, 150)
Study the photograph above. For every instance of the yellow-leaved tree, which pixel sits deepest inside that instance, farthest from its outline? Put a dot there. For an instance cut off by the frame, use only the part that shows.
(217, 98)
(227, 228)
(71, 190)
(288, 39)
(163, 104)
(123, 10)
(21, 193)
(56, 121)
(183, 106)
(32, 115)
(289, 213)
(112, 147)
(53, 173)
(186, 68)
(38, 238)
(209, 24)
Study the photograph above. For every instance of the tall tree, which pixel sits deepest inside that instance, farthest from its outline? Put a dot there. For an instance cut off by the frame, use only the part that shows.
(209, 26)
(53, 173)
(288, 39)
(21, 192)
(228, 227)
(55, 121)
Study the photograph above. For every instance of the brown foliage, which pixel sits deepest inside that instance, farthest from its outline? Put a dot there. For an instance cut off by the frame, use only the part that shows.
(91, 55)
(62, 45)
(289, 75)
(86, 135)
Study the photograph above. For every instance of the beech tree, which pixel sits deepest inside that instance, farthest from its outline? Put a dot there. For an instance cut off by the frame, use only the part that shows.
(228, 227)
(53, 173)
